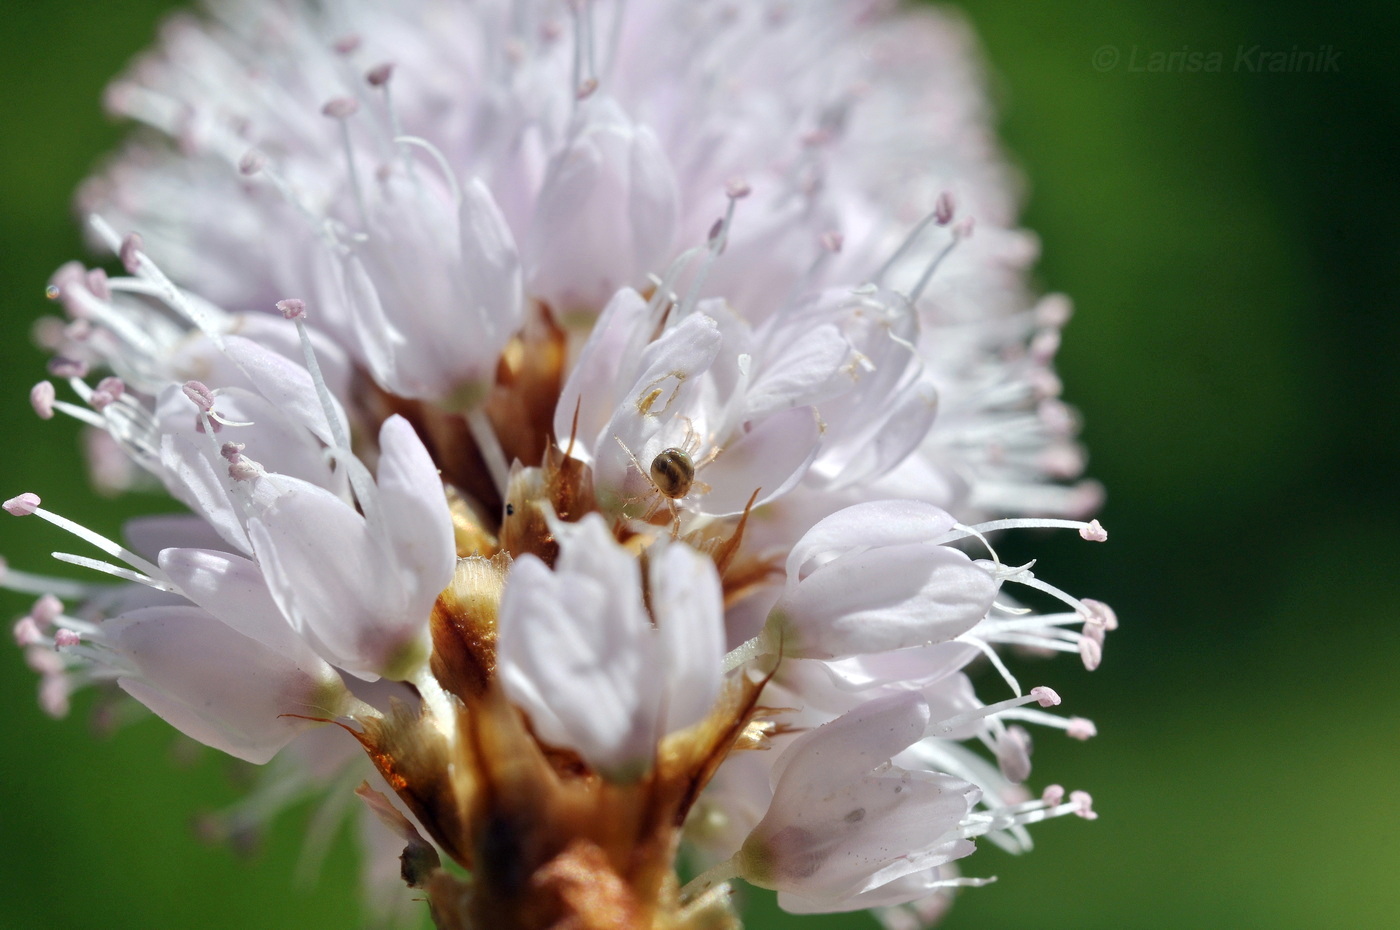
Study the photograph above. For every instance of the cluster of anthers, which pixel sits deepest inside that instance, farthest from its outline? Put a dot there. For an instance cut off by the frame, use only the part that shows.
(585, 531)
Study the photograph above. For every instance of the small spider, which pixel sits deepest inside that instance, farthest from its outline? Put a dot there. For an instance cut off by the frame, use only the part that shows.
(672, 472)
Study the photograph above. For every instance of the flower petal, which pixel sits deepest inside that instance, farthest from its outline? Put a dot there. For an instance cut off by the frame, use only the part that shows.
(216, 685)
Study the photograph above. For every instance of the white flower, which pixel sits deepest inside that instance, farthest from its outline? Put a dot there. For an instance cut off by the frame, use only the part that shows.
(579, 653)
(844, 820)
(358, 585)
(870, 579)
(590, 408)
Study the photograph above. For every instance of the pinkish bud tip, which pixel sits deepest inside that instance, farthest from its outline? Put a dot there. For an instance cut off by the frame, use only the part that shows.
(112, 385)
(130, 253)
(200, 395)
(340, 107)
(251, 163)
(1084, 803)
(66, 638)
(242, 469)
(23, 505)
(347, 45)
(27, 632)
(62, 367)
(1091, 651)
(737, 189)
(943, 210)
(1054, 310)
(46, 610)
(41, 398)
(1101, 613)
(1045, 697)
(832, 241)
(586, 89)
(97, 283)
(379, 75)
(293, 308)
(1053, 795)
(232, 451)
(1094, 532)
(1081, 728)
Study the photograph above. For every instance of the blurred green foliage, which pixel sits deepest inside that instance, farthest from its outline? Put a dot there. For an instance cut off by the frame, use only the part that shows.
(1230, 240)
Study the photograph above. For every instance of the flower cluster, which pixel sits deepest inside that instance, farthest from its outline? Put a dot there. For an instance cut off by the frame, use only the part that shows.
(592, 419)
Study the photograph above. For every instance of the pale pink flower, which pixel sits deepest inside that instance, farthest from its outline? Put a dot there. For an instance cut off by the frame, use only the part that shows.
(603, 413)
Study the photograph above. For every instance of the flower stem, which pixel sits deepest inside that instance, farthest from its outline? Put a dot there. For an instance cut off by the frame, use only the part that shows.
(714, 875)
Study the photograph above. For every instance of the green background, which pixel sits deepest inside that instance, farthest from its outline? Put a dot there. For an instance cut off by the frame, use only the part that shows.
(1230, 240)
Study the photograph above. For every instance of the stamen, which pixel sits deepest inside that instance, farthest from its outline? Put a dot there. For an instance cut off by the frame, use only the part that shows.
(585, 74)
(1091, 651)
(109, 391)
(904, 247)
(443, 164)
(379, 75)
(736, 190)
(29, 503)
(61, 367)
(1094, 532)
(1078, 728)
(1081, 728)
(1013, 754)
(960, 232)
(489, 445)
(1049, 806)
(943, 209)
(341, 109)
(98, 284)
(715, 875)
(663, 293)
(108, 568)
(81, 415)
(22, 505)
(27, 633)
(251, 163)
(1040, 695)
(46, 610)
(203, 398)
(41, 398)
(960, 531)
(994, 659)
(744, 652)
(294, 309)
(141, 266)
(130, 253)
(43, 585)
(973, 531)
(1101, 613)
(1023, 575)
(240, 467)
